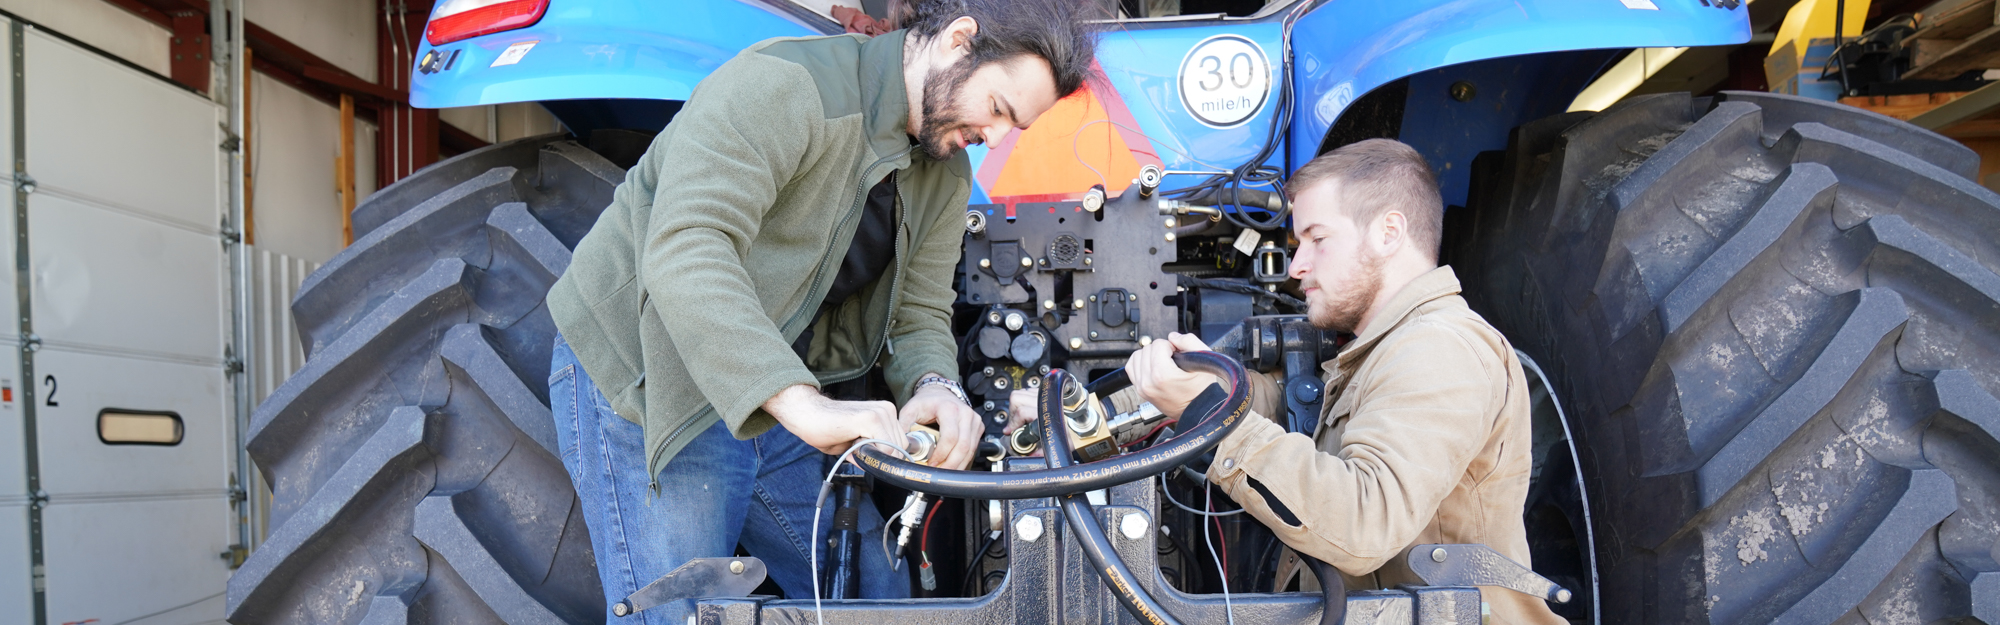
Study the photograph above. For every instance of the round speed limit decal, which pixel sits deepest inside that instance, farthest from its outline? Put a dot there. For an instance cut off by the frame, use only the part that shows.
(1224, 80)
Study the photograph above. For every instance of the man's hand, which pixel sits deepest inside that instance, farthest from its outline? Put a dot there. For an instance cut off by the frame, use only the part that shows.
(830, 425)
(958, 425)
(1021, 408)
(1163, 383)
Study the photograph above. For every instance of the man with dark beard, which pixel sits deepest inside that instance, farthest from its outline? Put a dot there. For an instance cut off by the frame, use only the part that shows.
(795, 225)
(1424, 436)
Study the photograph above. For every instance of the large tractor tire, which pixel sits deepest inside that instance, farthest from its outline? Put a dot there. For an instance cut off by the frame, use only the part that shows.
(1776, 326)
(412, 461)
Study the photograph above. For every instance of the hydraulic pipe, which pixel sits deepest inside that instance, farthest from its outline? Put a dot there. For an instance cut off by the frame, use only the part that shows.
(1220, 411)
(1083, 521)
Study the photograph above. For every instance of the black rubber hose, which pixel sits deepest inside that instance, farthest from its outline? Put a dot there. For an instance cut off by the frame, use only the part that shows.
(1333, 591)
(1083, 522)
(1221, 412)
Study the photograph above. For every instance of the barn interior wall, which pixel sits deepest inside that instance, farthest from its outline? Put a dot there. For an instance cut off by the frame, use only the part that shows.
(340, 31)
(102, 25)
(295, 140)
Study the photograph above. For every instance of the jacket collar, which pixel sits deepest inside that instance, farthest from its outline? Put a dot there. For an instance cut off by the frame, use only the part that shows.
(1432, 285)
(886, 116)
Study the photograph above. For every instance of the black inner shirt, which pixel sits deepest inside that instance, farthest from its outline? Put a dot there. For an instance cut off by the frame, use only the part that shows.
(868, 257)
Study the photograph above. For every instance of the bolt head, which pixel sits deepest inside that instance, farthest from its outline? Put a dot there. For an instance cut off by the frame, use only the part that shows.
(1171, 222)
(621, 609)
(1027, 262)
(735, 567)
(1133, 526)
(986, 406)
(1029, 528)
(1093, 334)
(1034, 382)
(1562, 595)
(1132, 296)
(1048, 304)
(985, 262)
(1077, 305)
(1086, 260)
(1438, 554)
(1075, 343)
(1170, 236)
(1463, 91)
(1145, 340)
(1000, 383)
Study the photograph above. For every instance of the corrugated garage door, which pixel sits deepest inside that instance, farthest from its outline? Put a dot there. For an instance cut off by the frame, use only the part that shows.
(128, 305)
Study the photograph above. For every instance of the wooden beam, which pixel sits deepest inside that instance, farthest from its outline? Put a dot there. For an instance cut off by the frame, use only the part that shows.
(350, 84)
(1972, 105)
(343, 172)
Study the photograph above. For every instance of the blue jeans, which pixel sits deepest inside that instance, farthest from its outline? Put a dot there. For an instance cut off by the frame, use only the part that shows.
(717, 493)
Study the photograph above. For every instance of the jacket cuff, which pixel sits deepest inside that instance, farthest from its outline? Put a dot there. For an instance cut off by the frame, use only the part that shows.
(903, 376)
(750, 400)
(1232, 457)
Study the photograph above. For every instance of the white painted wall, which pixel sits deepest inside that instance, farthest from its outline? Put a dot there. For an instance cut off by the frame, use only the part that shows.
(294, 140)
(525, 119)
(340, 31)
(476, 120)
(504, 122)
(107, 27)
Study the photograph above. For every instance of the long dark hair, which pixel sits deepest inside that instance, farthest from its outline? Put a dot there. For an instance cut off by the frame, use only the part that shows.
(1059, 31)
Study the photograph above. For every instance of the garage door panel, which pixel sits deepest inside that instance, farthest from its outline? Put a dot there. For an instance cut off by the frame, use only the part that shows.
(87, 384)
(117, 561)
(13, 472)
(101, 130)
(113, 280)
(14, 582)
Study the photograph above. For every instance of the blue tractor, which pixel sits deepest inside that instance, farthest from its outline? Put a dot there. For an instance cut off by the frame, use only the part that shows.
(1764, 329)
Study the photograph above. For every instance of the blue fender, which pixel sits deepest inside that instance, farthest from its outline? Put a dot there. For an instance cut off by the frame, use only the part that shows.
(612, 49)
(1345, 48)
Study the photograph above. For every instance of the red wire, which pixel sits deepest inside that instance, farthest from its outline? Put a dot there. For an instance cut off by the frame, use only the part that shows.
(1156, 430)
(924, 544)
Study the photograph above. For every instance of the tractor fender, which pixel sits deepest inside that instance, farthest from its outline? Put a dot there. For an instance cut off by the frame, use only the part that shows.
(611, 49)
(1342, 50)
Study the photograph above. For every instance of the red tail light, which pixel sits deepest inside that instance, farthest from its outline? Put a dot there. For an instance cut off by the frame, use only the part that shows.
(463, 19)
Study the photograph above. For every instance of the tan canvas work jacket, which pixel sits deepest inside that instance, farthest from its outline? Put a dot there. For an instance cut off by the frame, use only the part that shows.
(1424, 438)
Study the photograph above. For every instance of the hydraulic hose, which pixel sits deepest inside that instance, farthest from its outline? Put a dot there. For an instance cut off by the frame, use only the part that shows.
(1220, 411)
(1333, 591)
(1076, 510)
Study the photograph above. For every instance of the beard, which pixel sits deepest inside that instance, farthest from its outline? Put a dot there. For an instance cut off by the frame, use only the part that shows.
(941, 118)
(1342, 306)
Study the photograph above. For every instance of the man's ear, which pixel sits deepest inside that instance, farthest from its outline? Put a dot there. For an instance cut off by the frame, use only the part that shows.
(960, 33)
(1392, 232)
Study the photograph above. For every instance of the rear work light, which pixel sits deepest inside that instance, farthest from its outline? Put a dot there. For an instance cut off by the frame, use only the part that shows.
(464, 19)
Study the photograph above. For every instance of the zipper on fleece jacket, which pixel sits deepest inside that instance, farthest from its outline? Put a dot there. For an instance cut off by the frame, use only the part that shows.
(819, 275)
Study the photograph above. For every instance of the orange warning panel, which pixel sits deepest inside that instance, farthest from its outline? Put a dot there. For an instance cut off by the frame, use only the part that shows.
(1071, 147)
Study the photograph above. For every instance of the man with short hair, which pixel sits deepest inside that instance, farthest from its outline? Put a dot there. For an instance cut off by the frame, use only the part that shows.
(1424, 436)
(797, 223)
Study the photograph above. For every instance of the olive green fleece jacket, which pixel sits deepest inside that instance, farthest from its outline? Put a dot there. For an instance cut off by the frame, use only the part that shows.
(683, 301)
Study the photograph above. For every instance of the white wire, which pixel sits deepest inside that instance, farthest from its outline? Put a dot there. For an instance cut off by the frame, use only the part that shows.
(1178, 504)
(1227, 608)
(825, 486)
(894, 563)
